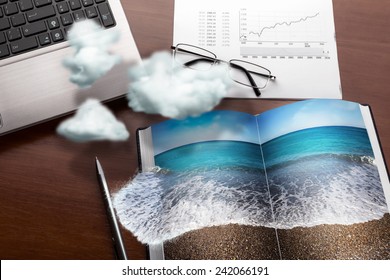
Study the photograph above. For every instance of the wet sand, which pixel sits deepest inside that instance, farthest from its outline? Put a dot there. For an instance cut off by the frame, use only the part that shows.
(370, 240)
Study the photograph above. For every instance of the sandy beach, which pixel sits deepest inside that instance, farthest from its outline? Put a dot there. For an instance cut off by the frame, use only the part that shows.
(230, 242)
(369, 240)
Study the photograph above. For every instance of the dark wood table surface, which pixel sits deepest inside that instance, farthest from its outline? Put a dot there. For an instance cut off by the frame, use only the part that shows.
(50, 203)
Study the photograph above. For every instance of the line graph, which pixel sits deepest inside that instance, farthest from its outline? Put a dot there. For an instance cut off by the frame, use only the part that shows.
(286, 34)
(287, 23)
(279, 26)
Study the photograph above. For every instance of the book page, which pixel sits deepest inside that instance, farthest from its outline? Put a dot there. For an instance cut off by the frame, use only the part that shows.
(295, 40)
(327, 194)
(214, 176)
(379, 159)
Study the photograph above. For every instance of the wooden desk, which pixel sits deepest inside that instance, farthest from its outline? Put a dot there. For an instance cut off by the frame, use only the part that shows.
(50, 204)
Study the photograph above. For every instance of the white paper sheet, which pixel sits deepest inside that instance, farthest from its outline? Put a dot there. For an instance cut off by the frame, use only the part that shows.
(295, 39)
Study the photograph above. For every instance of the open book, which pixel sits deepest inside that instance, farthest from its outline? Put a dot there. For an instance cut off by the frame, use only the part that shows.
(302, 181)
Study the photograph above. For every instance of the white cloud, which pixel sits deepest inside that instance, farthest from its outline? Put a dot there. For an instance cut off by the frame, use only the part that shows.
(176, 92)
(91, 59)
(93, 121)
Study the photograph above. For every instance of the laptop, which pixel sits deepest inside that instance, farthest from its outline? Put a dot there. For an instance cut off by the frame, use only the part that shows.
(34, 85)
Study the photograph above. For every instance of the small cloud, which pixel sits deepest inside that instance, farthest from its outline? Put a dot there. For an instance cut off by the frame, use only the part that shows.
(91, 59)
(176, 92)
(92, 122)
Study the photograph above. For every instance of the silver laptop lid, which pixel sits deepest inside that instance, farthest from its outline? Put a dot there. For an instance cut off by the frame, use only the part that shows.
(35, 87)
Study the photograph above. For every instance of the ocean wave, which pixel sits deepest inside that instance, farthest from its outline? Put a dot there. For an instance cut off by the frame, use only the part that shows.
(321, 157)
(317, 141)
(155, 209)
(331, 189)
(340, 194)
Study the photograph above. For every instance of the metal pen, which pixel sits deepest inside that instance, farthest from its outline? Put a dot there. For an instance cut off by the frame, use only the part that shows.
(115, 231)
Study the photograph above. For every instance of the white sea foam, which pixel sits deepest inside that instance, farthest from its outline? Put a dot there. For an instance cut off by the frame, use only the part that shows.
(154, 215)
(158, 206)
(343, 198)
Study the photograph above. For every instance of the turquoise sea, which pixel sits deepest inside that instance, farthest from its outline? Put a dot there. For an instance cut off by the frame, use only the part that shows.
(315, 176)
(336, 140)
(212, 155)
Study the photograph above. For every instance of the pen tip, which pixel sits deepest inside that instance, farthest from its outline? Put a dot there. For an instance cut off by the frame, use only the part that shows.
(97, 163)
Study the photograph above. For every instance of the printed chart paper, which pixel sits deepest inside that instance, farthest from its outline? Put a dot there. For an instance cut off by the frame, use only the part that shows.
(294, 39)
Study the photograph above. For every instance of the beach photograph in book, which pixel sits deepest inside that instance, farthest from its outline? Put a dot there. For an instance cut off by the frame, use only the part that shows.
(214, 176)
(327, 197)
(302, 181)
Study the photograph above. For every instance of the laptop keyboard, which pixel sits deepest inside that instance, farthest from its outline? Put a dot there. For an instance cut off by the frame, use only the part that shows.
(27, 25)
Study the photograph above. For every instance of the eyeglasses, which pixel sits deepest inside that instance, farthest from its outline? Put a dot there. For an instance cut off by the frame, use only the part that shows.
(240, 71)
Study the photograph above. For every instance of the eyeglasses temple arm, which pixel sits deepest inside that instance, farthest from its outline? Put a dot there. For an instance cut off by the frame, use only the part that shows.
(264, 75)
(189, 63)
(194, 53)
(253, 83)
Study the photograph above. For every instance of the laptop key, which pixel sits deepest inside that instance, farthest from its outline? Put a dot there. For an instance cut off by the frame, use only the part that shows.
(57, 36)
(91, 12)
(105, 14)
(40, 3)
(44, 39)
(78, 15)
(2, 38)
(25, 5)
(23, 45)
(14, 34)
(34, 28)
(87, 3)
(4, 24)
(4, 52)
(10, 9)
(75, 4)
(18, 20)
(41, 13)
(67, 19)
(53, 23)
(62, 7)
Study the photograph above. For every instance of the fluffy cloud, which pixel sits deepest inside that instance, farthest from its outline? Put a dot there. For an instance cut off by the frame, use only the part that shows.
(176, 92)
(93, 121)
(91, 59)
